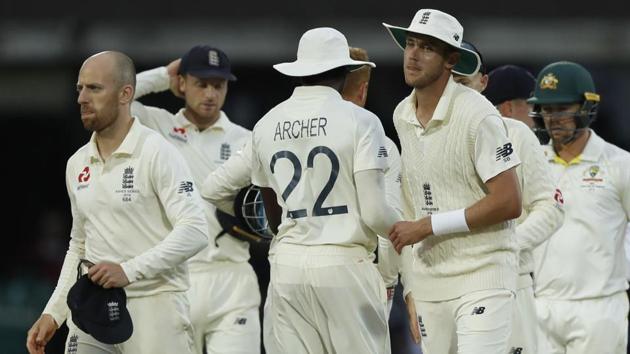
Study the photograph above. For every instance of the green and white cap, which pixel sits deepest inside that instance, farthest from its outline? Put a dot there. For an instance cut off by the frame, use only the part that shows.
(444, 27)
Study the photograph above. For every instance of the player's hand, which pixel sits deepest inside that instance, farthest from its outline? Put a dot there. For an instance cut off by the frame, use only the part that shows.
(38, 336)
(405, 233)
(172, 68)
(414, 327)
(108, 275)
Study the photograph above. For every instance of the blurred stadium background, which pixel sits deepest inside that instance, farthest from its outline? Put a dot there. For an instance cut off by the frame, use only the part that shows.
(42, 45)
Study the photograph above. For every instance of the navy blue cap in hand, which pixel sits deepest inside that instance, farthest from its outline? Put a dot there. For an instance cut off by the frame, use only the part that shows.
(99, 312)
(206, 62)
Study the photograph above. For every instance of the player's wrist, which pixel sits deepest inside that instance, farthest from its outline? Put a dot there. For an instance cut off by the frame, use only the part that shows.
(449, 222)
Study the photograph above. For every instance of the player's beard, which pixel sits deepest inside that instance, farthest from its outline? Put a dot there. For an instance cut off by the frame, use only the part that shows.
(424, 79)
(101, 119)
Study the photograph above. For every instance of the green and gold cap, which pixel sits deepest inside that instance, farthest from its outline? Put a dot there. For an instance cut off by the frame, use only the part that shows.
(563, 82)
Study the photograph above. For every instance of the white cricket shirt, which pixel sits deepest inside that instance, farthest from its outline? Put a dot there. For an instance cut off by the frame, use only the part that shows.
(203, 151)
(308, 149)
(585, 258)
(140, 208)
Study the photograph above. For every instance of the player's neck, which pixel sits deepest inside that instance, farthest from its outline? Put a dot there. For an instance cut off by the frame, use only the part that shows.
(568, 152)
(110, 138)
(427, 99)
(199, 122)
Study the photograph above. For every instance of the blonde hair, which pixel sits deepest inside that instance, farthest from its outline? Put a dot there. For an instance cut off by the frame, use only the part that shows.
(356, 78)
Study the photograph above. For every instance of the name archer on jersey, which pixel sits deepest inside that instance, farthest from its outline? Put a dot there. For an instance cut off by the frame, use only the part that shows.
(300, 128)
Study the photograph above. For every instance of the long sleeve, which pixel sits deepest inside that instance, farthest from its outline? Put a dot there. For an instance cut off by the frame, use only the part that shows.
(152, 81)
(544, 213)
(221, 186)
(57, 306)
(183, 208)
(388, 259)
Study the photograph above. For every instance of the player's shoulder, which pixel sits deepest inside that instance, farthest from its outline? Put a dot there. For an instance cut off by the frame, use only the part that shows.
(405, 105)
(80, 156)
(471, 105)
(614, 152)
(519, 129)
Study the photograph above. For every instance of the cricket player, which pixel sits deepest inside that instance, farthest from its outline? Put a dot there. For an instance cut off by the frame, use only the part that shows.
(579, 278)
(543, 211)
(223, 184)
(136, 214)
(324, 158)
(458, 172)
(224, 293)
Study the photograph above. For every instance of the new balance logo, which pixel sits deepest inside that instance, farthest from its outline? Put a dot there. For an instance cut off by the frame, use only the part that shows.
(515, 350)
(503, 152)
(382, 152)
(478, 310)
(425, 18)
(240, 321)
(185, 186)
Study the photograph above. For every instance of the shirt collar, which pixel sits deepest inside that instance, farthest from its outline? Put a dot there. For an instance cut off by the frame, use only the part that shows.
(127, 146)
(221, 124)
(441, 109)
(314, 91)
(591, 153)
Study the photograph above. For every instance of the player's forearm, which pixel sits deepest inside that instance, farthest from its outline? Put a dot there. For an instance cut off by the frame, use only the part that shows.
(406, 269)
(183, 242)
(502, 203)
(544, 218)
(221, 186)
(57, 306)
(151, 81)
(388, 262)
(375, 212)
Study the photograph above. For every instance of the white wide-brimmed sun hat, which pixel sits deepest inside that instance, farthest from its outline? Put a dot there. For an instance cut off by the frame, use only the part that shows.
(320, 50)
(444, 27)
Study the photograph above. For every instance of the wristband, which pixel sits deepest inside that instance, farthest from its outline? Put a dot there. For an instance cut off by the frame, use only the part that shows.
(449, 222)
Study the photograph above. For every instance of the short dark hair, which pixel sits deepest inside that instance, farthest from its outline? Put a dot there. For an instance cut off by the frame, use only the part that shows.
(334, 75)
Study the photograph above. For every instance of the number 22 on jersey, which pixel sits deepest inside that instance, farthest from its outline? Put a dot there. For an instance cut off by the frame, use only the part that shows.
(318, 209)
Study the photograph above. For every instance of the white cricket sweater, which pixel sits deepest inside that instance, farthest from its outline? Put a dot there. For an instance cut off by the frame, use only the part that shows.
(444, 168)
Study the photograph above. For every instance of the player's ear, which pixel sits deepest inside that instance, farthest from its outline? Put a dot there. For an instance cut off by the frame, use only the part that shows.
(505, 108)
(126, 94)
(182, 83)
(451, 60)
(363, 91)
(484, 82)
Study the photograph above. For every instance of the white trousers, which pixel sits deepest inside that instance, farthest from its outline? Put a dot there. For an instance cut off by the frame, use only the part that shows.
(325, 299)
(476, 323)
(583, 326)
(524, 321)
(161, 324)
(224, 309)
